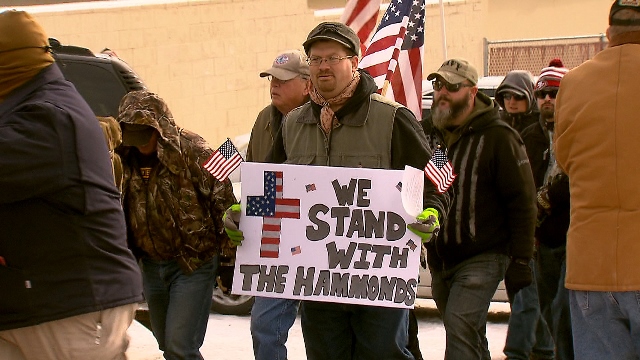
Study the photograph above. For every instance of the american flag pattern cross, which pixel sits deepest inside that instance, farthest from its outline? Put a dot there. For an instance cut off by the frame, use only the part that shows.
(440, 171)
(272, 207)
(395, 54)
(223, 161)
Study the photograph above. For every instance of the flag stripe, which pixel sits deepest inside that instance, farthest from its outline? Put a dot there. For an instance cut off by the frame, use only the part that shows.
(271, 240)
(268, 254)
(361, 16)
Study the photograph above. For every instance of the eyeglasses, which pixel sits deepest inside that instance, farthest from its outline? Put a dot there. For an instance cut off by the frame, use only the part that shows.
(438, 85)
(508, 96)
(541, 94)
(334, 60)
(276, 80)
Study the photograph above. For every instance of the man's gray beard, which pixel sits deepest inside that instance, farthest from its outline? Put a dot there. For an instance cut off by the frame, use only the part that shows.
(440, 118)
(443, 118)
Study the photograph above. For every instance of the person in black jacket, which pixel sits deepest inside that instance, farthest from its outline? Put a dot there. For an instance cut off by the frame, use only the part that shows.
(528, 334)
(488, 234)
(553, 214)
(70, 286)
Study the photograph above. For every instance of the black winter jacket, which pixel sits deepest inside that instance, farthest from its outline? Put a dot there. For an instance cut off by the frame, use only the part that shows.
(552, 228)
(63, 243)
(493, 209)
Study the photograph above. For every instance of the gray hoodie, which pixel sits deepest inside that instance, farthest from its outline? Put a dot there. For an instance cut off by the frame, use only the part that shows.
(521, 83)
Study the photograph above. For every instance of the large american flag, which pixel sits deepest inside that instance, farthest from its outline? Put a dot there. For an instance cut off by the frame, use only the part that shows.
(395, 54)
(361, 16)
(223, 161)
(272, 207)
(440, 171)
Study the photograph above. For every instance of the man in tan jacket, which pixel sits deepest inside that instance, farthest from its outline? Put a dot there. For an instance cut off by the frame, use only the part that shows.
(597, 144)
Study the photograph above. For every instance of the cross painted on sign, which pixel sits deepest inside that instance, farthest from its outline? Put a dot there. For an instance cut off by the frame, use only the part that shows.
(272, 207)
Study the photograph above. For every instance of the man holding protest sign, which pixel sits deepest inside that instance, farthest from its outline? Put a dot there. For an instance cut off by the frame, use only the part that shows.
(345, 107)
(488, 234)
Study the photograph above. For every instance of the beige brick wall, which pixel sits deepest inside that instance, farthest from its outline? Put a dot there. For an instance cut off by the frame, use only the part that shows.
(203, 56)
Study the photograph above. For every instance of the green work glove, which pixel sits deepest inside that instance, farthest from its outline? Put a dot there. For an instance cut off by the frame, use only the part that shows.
(427, 225)
(231, 221)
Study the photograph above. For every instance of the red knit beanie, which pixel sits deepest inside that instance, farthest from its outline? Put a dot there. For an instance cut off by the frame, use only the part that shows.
(551, 75)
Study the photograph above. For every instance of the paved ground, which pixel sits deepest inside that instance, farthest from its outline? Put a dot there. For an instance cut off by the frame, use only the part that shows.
(232, 334)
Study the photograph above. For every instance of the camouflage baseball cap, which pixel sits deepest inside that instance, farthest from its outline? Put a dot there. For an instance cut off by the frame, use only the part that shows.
(455, 71)
(288, 65)
(335, 31)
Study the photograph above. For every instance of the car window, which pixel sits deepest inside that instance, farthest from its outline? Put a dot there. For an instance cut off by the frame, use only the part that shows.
(100, 88)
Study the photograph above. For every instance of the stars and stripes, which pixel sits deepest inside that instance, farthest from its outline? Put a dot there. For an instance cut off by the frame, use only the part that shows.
(223, 161)
(361, 16)
(394, 57)
(440, 171)
(296, 250)
(272, 207)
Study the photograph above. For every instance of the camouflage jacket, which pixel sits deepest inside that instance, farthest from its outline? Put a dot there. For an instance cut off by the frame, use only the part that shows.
(113, 137)
(176, 212)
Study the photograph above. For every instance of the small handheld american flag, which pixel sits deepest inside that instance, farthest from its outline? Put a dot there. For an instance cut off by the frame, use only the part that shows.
(223, 161)
(440, 171)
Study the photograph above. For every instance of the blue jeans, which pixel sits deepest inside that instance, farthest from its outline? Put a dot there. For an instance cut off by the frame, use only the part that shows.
(463, 295)
(354, 332)
(554, 298)
(179, 306)
(606, 325)
(528, 333)
(271, 319)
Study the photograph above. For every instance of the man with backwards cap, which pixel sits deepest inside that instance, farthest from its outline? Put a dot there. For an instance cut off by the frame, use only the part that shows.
(488, 233)
(70, 286)
(596, 143)
(289, 85)
(344, 106)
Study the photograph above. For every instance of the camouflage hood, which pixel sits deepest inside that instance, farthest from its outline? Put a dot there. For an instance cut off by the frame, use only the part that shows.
(146, 108)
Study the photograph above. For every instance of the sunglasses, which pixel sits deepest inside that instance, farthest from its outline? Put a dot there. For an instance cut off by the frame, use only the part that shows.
(438, 85)
(541, 94)
(509, 96)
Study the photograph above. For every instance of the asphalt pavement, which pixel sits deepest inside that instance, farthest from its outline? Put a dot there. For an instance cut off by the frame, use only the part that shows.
(228, 336)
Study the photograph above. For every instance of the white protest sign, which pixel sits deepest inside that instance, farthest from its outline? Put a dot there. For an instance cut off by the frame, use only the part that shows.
(328, 234)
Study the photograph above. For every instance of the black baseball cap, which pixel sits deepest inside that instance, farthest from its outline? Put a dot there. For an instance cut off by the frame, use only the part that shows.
(335, 31)
(621, 5)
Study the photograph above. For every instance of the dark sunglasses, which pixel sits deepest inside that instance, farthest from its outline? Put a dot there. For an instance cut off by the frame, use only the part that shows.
(509, 96)
(541, 94)
(438, 85)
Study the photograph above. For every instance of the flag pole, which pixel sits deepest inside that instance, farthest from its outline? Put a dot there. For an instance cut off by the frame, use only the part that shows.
(444, 32)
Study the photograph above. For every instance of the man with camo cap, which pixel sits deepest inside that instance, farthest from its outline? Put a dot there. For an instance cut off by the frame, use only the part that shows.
(173, 209)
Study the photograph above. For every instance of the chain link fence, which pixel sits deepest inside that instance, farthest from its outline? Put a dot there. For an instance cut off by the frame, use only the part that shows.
(500, 57)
